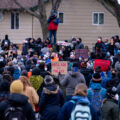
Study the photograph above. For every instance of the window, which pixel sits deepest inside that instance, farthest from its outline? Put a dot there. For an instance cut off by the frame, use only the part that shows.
(1, 16)
(14, 20)
(61, 17)
(98, 18)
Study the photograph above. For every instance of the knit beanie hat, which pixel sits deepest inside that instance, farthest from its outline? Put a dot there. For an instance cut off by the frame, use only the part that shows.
(96, 77)
(98, 69)
(36, 71)
(16, 87)
(111, 92)
(75, 65)
(48, 80)
(81, 89)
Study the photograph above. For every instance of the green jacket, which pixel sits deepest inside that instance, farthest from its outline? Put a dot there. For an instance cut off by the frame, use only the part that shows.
(110, 110)
(36, 81)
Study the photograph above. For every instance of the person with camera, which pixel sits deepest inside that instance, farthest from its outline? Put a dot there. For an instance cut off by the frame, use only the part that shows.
(53, 22)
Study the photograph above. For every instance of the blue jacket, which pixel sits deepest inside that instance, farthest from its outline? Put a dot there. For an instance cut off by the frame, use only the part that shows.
(16, 74)
(50, 102)
(104, 78)
(56, 21)
(66, 110)
(96, 86)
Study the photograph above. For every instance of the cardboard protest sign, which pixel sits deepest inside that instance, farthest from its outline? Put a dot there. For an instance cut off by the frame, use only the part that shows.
(104, 64)
(81, 52)
(59, 67)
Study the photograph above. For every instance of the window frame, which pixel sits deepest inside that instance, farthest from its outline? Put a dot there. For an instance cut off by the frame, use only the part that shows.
(63, 16)
(1, 13)
(15, 28)
(98, 24)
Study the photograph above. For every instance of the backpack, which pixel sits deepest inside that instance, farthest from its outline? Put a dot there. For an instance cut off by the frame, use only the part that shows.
(96, 100)
(80, 112)
(14, 113)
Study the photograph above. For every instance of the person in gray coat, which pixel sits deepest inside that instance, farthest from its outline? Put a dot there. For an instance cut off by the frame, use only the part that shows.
(79, 44)
(70, 80)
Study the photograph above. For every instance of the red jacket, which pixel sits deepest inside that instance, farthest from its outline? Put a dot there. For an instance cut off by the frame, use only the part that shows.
(52, 26)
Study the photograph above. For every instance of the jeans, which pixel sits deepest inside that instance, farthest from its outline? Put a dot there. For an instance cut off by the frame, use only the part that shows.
(52, 32)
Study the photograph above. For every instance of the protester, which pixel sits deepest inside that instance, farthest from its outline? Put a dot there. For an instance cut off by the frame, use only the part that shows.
(14, 101)
(29, 91)
(4, 90)
(51, 98)
(79, 44)
(96, 94)
(71, 79)
(53, 22)
(79, 100)
(86, 72)
(34, 68)
(5, 43)
(110, 108)
(37, 80)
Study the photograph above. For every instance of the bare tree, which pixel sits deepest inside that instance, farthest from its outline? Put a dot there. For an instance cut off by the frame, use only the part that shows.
(41, 14)
(113, 7)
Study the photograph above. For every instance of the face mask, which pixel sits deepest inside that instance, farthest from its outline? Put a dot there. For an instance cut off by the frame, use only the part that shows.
(52, 57)
(60, 52)
(75, 69)
(37, 65)
(45, 68)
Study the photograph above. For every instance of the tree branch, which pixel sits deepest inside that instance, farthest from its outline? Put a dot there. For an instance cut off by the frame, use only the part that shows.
(117, 11)
(27, 9)
(55, 5)
(107, 7)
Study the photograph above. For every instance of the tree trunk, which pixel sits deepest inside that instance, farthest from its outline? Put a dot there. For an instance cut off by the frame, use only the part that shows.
(43, 18)
(44, 27)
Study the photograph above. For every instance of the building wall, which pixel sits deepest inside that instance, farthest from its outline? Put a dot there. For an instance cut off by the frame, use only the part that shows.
(78, 22)
(17, 36)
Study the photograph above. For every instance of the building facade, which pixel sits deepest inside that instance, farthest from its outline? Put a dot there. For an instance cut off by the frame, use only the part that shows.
(87, 19)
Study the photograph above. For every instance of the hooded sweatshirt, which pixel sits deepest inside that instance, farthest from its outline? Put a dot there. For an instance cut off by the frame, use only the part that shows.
(70, 81)
(66, 110)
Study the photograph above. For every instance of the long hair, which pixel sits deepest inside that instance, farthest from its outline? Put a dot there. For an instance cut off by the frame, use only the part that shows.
(25, 82)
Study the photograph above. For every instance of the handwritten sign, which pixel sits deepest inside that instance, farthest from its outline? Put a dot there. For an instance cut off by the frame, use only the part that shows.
(59, 67)
(81, 52)
(104, 64)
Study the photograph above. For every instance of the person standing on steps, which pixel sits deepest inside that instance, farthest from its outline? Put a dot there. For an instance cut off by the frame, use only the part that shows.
(53, 22)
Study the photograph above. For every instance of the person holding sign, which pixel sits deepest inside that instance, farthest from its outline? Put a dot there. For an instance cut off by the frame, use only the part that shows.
(105, 76)
(71, 79)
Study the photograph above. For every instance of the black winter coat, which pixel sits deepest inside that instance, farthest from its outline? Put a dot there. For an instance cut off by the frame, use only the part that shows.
(19, 101)
(87, 74)
(50, 103)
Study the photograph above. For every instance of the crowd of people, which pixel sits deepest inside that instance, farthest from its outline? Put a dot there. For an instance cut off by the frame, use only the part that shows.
(29, 91)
